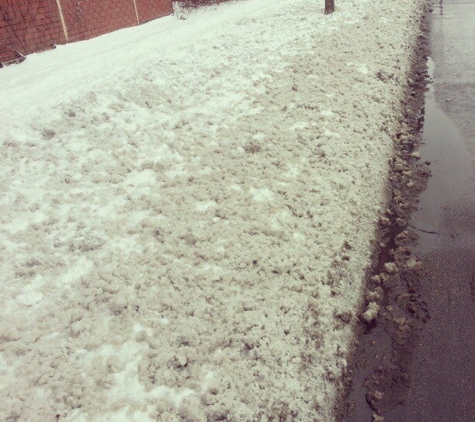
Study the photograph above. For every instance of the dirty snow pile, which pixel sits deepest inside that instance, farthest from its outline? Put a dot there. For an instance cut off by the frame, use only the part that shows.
(188, 209)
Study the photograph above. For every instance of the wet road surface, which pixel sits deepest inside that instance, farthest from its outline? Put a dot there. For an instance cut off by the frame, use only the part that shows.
(443, 367)
(427, 373)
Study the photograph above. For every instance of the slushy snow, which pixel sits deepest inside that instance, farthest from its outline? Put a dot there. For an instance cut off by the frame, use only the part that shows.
(188, 209)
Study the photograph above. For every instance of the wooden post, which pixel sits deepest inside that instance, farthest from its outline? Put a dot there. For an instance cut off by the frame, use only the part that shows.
(63, 22)
(329, 6)
(136, 13)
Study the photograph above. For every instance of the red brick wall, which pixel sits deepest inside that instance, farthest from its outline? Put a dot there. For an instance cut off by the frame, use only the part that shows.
(151, 9)
(27, 26)
(197, 3)
(89, 18)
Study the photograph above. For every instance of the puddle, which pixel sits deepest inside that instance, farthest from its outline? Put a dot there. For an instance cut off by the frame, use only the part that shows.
(444, 147)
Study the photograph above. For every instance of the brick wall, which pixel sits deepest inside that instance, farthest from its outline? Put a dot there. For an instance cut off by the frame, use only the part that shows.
(89, 18)
(150, 9)
(197, 3)
(27, 26)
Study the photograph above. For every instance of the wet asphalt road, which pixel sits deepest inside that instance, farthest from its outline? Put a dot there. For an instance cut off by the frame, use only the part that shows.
(443, 367)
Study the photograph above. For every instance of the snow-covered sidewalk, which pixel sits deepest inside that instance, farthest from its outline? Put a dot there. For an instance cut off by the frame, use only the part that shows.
(188, 209)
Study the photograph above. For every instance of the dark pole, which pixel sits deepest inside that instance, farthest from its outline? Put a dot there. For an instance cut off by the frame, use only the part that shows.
(329, 6)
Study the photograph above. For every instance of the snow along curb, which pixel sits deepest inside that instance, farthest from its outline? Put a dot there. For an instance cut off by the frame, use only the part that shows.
(187, 224)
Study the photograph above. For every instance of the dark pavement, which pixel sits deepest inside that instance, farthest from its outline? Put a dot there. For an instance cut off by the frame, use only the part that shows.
(443, 366)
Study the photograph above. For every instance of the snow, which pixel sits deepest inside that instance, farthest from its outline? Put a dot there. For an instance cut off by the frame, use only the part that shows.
(371, 312)
(187, 206)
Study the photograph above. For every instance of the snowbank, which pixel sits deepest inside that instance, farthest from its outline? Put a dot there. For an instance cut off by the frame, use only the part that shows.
(188, 209)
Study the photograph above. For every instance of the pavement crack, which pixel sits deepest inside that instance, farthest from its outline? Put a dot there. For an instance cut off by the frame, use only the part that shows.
(423, 231)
